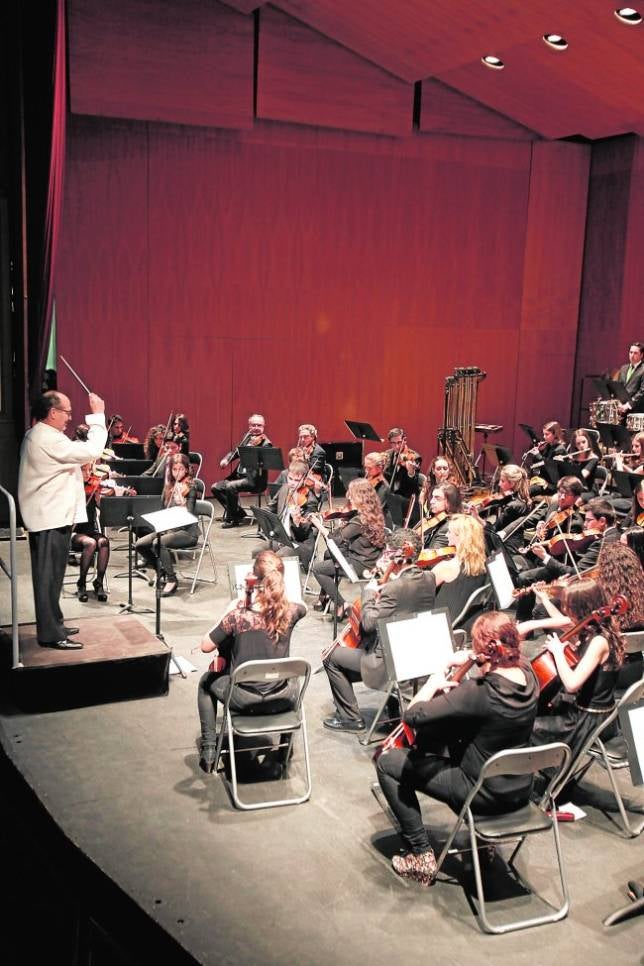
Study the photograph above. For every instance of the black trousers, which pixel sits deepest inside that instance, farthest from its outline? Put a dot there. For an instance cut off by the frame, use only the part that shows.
(343, 670)
(49, 551)
(227, 493)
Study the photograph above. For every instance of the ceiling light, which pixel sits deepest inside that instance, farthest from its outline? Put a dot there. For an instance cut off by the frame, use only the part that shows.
(555, 41)
(494, 62)
(628, 15)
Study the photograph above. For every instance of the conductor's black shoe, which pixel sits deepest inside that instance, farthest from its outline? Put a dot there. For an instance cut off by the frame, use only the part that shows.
(336, 723)
(64, 645)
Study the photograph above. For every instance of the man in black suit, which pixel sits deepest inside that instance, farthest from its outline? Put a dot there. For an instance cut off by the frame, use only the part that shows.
(409, 591)
(632, 376)
(241, 480)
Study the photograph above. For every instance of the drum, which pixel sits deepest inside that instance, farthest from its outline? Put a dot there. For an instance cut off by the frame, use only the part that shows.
(635, 422)
(606, 411)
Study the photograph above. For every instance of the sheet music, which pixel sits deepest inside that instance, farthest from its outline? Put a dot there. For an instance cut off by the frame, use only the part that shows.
(173, 518)
(420, 645)
(237, 577)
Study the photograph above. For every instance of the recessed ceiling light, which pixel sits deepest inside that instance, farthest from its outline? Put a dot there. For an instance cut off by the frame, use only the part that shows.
(494, 62)
(556, 41)
(628, 15)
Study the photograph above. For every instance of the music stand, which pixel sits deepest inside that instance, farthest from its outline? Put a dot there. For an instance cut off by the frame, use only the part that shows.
(550, 470)
(144, 485)
(601, 385)
(618, 391)
(362, 431)
(530, 433)
(119, 511)
(626, 482)
(617, 436)
(271, 527)
(259, 459)
(346, 474)
(341, 564)
(497, 456)
(165, 521)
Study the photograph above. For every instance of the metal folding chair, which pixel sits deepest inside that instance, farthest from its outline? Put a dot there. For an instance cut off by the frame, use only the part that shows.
(494, 830)
(205, 512)
(238, 724)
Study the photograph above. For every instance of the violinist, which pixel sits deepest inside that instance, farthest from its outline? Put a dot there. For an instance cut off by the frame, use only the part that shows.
(169, 448)
(457, 731)
(118, 432)
(445, 500)
(360, 539)
(402, 465)
(88, 540)
(589, 686)
(457, 578)
(407, 591)
(309, 449)
(293, 503)
(181, 432)
(619, 571)
(260, 631)
(513, 502)
(374, 464)
(179, 490)
(563, 516)
(153, 441)
(241, 481)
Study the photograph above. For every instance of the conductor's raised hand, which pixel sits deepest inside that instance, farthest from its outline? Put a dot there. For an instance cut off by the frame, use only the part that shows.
(96, 404)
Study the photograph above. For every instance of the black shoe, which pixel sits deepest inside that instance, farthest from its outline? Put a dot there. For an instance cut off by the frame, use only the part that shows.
(207, 756)
(336, 723)
(64, 645)
(82, 592)
(170, 588)
(321, 602)
(99, 590)
(71, 630)
(229, 524)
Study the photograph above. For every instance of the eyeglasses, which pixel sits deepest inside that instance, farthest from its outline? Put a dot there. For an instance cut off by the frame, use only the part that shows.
(68, 411)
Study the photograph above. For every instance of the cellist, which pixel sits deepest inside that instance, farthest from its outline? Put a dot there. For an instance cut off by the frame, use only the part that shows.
(408, 590)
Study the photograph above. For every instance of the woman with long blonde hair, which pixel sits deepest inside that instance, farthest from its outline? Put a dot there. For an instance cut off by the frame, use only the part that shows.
(261, 631)
(459, 577)
(361, 540)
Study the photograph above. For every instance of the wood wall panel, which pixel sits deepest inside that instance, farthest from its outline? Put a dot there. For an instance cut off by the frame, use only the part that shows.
(551, 282)
(305, 78)
(312, 276)
(190, 62)
(446, 111)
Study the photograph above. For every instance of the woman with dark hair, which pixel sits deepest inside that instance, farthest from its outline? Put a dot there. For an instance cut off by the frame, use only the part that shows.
(589, 686)
(585, 453)
(444, 501)
(181, 432)
(486, 714)
(634, 538)
(259, 632)
(179, 490)
(360, 539)
(620, 572)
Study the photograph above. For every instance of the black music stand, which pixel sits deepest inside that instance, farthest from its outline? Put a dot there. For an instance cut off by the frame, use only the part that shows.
(618, 391)
(259, 459)
(362, 431)
(347, 474)
(272, 528)
(120, 511)
(618, 436)
(165, 521)
(530, 433)
(626, 482)
(601, 385)
(496, 456)
(144, 485)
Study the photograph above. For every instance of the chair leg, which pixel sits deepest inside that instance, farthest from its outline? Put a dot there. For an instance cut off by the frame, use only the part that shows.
(366, 739)
(630, 831)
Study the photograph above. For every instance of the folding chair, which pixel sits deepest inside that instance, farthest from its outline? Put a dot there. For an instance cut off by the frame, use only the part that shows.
(246, 725)
(610, 754)
(205, 512)
(530, 820)
(196, 460)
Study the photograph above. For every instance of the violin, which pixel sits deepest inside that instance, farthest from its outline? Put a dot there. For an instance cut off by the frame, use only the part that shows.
(403, 736)
(430, 522)
(559, 545)
(640, 519)
(486, 500)
(544, 666)
(429, 558)
(554, 588)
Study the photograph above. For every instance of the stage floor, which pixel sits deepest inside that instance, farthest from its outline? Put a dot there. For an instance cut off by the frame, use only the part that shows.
(309, 884)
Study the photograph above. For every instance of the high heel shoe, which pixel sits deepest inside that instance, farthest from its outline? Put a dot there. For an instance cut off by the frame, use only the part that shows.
(207, 756)
(82, 591)
(99, 590)
(170, 588)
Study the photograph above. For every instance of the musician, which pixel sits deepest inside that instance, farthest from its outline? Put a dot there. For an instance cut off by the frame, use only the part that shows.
(402, 465)
(458, 578)
(88, 540)
(634, 539)
(296, 500)
(118, 433)
(564, 515)
(442, 470)
(620, 572)
(50, 493)
(552, 444)
(476, 719)
(408, 591)
(241, 481)
(374, 465)
(262, 632)
(592, 681)
(599, 520)
(179, 490)
(445, 500)
(585, 454)
(631, 375)
(309, 449)
(169, 448)
(634, 462)
(360, 539)
(181, 432)
(153, 441)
